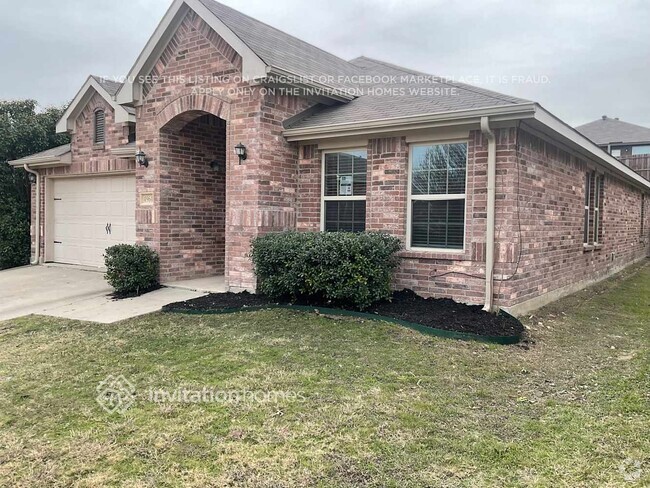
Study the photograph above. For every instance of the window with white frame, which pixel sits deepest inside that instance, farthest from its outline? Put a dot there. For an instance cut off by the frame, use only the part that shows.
(437, 182)
(344, 191)
(642, 215)
(593, 218)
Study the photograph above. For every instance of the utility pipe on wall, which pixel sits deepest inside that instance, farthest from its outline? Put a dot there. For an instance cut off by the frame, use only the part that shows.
(491, 203)
(37, 250)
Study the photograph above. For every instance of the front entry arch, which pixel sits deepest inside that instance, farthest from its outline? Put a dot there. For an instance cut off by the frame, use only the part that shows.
(192, 160)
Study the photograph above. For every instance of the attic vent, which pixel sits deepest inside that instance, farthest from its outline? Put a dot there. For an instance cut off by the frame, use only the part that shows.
(100, 127)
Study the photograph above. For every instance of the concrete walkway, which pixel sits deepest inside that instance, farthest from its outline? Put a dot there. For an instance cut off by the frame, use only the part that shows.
(75, 293)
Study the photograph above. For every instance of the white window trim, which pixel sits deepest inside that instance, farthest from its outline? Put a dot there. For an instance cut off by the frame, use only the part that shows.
(599, 181)
(410, 198)
(323, 198)
(585, 238)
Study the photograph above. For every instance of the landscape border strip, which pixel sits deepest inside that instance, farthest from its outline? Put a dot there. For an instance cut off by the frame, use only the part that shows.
(450, 334)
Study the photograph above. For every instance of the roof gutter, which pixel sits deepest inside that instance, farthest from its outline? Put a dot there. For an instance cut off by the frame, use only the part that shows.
(491, 209)
(588, 149)
(44, 161)
(424, 121)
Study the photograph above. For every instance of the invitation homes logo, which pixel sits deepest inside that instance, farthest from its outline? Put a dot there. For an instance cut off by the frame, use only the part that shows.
(116, 394)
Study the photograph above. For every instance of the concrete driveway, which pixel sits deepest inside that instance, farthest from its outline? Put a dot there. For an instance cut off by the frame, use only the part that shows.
(75, 293)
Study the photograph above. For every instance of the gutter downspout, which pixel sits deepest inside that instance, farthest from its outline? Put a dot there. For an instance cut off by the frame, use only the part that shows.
(491, 203)
(37, 250)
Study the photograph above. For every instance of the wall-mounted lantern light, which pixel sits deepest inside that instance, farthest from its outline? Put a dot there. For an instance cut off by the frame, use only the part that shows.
(141, 158)
(240, 151)
(32, 178)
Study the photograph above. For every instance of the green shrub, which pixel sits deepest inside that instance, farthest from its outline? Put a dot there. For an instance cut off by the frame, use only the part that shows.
(340, 268)
(131, 269)
(14, 217)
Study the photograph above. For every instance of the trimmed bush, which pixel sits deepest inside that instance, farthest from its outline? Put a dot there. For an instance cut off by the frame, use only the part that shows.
(14, 217)
(131, 269)
(339, 268)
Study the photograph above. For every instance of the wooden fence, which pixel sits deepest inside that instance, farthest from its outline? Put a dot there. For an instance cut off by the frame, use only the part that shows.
(640, 164)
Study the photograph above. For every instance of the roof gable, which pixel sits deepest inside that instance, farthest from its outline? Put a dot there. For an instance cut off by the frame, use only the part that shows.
(131, 92)
(94, 85)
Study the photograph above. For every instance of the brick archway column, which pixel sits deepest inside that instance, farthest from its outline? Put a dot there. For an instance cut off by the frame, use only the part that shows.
(260, 193)
(154, 184)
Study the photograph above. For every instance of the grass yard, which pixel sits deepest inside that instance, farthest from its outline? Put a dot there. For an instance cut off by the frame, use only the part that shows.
(377, 405)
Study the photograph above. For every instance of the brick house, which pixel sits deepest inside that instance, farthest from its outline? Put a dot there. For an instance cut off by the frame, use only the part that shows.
(497, 201)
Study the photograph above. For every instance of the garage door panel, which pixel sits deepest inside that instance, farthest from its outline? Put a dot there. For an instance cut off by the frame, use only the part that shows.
(82, 208)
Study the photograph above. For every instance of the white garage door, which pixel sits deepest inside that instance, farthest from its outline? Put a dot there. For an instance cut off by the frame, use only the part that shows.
(90, 214)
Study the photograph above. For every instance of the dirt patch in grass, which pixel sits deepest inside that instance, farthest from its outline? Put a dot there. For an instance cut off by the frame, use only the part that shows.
(437, 313)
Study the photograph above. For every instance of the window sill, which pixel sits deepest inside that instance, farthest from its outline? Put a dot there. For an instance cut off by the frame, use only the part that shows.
(449, 254)
(591, 247)
(98, 145)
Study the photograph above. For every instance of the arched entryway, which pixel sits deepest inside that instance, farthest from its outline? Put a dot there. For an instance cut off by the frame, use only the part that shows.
(192, 159)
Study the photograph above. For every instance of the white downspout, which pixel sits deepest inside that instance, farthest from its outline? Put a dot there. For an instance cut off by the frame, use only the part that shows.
(491, 203)
(37, 250)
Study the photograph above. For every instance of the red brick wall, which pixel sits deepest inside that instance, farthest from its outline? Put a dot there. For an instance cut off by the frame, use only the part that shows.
(551, 189)
(193, 223)
(261, 193)
(87, 157)
(309, 189)
(539, 188)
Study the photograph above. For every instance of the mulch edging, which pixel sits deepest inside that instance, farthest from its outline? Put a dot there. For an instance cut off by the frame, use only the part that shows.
(434, 316)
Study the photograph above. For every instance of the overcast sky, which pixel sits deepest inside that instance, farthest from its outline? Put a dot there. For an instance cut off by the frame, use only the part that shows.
(579, 58)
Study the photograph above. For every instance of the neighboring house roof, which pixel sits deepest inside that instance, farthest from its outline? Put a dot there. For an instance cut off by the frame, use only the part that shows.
(405, 93)
(614, 131)
(55, 156)
(106, 89)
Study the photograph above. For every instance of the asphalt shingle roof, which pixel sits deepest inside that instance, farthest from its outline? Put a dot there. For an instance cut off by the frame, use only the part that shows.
(54, 152)
(608, 130)
(112, 87)
(403, 92)
(281, 50)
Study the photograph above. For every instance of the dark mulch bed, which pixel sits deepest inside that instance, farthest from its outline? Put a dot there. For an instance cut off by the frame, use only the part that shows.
(438, 313)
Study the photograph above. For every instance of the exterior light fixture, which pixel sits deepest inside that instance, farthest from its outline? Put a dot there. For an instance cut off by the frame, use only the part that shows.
(240, 151)
(32, 178)
(141, 158)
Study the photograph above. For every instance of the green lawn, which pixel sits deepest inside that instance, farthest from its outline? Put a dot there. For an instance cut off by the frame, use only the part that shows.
(375, 405)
